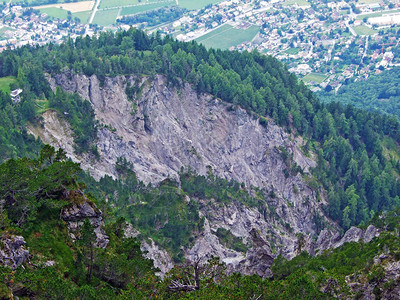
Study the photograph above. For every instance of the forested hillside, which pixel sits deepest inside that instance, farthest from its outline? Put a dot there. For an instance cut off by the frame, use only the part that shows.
(41, 195)
(379, 93)
(357, 150)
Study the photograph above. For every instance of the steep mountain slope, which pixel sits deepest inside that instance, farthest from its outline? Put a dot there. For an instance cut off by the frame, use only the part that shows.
(348, 142)
(175, 128)
(205, 152)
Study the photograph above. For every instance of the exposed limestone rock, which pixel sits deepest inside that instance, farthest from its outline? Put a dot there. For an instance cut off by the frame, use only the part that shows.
(174, 128)
(169, 131)
(57, 132)
(259, 258)
(208, 244)
(370, 233)
(12, 251)
(75, 216)
(49, 263)
(354, 234)
(130, 232)
(328, 239)
(161, 258)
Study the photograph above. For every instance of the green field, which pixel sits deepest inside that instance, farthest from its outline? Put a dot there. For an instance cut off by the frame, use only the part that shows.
(3, 30)
(317, 77)
(292, 51)
(39, 2)
(118, 3)
(196, 4)
(378, 14)
(142, 8)
(59, 13)
(364, 30)
(108, 9)
(5, 83)
(55, 12)
(106, 17)
(368, 1)
(299, 2)
(226, 36)
(83, 16)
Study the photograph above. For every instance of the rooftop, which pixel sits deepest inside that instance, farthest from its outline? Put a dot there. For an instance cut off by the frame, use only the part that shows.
(16, 92)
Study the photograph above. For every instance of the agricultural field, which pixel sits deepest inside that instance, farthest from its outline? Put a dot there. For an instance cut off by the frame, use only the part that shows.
(119, 3)
(142, 8)
(298, 2)
(364, 30)
(3, 30)
(196, 4)
(368, 1)
(55, 12)
(227, 36)
(80, 10)
(5, 83)
(39, 2)
(106, 17)
(317, 77)
(377, 14)
(109, 10)
(83, 16)
(293, 51)
(72, 7)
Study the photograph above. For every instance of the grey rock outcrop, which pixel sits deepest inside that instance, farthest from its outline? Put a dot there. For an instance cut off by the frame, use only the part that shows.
(208, 244)
(259, 258)
(370, 233)
(75, 216)
(162, 260)
(12, 251)
(328, 239)
(171, 129)
(130, 231)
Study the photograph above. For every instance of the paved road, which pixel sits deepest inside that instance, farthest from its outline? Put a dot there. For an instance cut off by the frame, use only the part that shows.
(94, 11)
(351, 29)
(365, 50)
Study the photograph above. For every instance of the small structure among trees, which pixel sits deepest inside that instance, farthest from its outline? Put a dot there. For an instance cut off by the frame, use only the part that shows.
(15, 96)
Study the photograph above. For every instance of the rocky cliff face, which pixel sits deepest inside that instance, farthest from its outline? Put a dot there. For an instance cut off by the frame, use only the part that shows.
(77, 213)
(12, 250)
(171, 128)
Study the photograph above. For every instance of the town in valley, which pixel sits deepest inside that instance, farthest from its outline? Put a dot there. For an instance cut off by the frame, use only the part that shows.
(326, 43)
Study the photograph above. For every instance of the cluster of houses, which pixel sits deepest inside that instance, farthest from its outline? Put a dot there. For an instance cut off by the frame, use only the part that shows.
(19, 29)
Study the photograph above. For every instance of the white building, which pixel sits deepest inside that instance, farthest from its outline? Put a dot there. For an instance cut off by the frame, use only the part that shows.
(15, 95)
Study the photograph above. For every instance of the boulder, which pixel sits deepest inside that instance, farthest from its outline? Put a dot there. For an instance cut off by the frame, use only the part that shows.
(12, 251)
(76, 214)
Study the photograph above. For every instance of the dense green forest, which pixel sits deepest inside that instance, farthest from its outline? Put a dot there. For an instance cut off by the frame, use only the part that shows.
(357, 150)
(154, 17)
(379, 93)
(34, 191)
